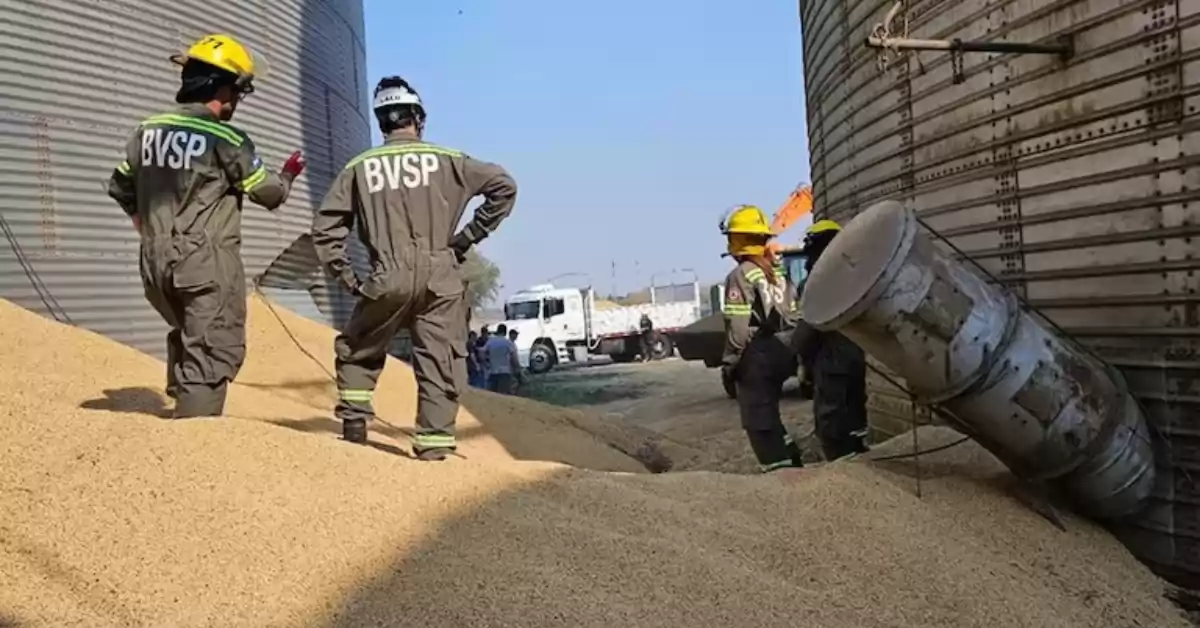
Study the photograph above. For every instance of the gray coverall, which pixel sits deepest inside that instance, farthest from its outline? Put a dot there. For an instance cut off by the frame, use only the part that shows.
(406, 198)
(184, 176)
(760, 317)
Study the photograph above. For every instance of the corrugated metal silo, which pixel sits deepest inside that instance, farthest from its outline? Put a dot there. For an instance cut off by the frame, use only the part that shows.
(76, 76)
(1076, 182)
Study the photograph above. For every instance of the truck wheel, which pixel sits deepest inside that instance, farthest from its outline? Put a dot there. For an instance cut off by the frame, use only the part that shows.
(729, 385)
(662, 349)
(541, 358)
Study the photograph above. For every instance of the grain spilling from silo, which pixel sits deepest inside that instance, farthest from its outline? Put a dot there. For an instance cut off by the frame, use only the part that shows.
(113, 516)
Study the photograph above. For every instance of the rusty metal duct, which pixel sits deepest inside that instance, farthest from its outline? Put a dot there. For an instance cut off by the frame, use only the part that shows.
(1035, 399)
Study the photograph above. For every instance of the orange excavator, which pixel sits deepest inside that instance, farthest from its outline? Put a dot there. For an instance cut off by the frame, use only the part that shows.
(798, 205)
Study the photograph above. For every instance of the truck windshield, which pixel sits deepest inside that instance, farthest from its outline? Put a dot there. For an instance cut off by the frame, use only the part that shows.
(522, 310)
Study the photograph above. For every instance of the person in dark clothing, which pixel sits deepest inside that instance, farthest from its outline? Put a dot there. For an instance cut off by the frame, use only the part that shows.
(648, 337)
(474, 370)
(519, 380)
(406, 198)
(839, 371)
(182, 183)
(761, 312)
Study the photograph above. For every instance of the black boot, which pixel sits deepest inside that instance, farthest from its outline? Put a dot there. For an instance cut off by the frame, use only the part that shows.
(795, 454)
(354, 431)
(433, 455)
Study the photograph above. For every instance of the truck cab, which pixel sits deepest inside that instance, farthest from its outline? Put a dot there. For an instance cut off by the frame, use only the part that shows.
(560, 325)
(549, 318)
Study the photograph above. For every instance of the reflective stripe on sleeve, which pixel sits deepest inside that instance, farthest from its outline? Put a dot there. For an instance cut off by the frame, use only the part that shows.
(124, 168)
(736, 309)
(254, 180)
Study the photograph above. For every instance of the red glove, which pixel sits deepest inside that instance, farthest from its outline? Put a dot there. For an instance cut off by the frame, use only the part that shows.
(294, 165)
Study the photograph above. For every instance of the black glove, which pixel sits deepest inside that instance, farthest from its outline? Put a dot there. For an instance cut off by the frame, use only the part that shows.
(460, 245)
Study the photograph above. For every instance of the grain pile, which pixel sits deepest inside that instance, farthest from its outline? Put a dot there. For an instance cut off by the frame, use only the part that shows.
(110, 516)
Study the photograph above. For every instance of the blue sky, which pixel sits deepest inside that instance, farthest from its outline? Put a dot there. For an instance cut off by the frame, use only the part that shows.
(629, 126)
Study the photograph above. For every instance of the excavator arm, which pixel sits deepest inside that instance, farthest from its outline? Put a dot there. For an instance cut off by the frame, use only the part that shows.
(798, 205)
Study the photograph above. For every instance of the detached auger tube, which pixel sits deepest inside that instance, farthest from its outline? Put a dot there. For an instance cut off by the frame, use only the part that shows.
(1037, 400)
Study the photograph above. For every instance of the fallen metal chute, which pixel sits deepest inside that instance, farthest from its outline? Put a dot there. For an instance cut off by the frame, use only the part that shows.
(1036, 399)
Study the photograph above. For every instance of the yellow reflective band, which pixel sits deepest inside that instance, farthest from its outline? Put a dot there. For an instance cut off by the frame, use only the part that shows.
(356, 394)
(123, 167)
(432, 441)
(400, 149)
(254, 180)
(196, 124)
(755, 274)
(774, 466)
(736, 310)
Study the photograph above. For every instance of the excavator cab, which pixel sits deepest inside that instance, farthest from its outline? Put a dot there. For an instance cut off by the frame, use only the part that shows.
(793, 263)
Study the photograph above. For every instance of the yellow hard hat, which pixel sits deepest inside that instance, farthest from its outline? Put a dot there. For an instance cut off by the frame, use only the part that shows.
(222, 52)
(747, 219)
(822, 226)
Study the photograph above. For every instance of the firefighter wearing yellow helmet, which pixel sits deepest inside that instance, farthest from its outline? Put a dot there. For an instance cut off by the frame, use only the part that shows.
(839, 370)
(761, 312)
(182, 181)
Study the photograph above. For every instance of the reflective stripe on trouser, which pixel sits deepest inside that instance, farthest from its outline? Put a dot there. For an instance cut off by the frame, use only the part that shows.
(438, 361)
(203, 299)
(440, 365)
(765, 365)
(774, 449)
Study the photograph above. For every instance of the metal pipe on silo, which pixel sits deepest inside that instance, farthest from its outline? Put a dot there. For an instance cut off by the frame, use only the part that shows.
(1035, 399)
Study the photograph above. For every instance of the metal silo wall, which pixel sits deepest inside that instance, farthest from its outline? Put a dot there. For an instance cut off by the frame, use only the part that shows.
(1077, 184)
(77, 75)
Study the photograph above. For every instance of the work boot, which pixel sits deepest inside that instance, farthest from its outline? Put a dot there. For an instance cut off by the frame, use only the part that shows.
(795, 454)
(354, 431)
(432, 455)
(200, 401)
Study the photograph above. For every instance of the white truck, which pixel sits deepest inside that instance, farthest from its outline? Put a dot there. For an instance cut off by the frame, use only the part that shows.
(560, 325)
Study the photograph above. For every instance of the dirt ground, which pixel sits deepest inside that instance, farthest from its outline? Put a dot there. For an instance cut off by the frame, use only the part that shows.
(680, 400)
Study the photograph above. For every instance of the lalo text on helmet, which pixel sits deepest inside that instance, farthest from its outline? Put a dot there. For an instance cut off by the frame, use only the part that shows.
(169, 148)
(391, 171)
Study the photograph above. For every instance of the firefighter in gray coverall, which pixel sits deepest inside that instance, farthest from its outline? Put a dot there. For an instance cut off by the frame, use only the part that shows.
(407, 197)
(761, 311)
(839, 370)
(182, 183)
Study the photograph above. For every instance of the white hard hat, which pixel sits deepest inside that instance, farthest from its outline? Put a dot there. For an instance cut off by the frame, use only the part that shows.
(393, 96)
